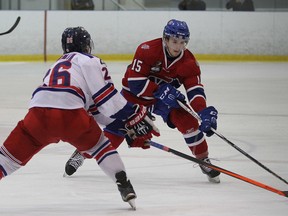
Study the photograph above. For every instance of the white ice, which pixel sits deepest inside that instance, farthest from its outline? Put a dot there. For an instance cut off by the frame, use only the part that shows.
(253, 113)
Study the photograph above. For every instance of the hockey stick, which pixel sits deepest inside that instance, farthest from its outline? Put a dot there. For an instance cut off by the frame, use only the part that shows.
(13, 27)
(227, 172)
(195, 115)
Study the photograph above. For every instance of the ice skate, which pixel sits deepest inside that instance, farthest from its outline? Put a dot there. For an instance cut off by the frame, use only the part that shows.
(212, 175)
(126, 189)
(75, 161)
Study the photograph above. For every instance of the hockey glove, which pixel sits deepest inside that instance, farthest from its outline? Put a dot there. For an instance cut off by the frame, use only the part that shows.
(169, 95)
(209, 120)
(140, 124)
(138, 142)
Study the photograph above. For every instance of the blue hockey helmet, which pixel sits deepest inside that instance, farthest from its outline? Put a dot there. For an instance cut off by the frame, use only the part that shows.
(176, 28)
(76, 39)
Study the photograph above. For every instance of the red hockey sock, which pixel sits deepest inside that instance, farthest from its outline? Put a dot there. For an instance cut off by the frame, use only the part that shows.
(200, 151)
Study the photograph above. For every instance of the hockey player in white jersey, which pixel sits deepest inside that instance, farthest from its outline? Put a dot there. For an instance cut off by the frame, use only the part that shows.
(59, 111)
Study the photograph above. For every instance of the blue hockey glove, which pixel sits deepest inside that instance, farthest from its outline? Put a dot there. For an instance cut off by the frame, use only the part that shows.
(169, 95)
(209, 120)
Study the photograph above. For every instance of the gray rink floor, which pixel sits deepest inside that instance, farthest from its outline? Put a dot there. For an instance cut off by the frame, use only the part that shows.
(252, 102)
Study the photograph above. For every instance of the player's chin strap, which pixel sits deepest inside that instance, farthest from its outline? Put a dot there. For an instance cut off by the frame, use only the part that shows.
(227, 172)
(195, 115)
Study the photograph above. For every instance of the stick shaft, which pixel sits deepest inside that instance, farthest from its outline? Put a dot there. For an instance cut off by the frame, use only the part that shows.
(227, 172)
(250, 157)
(195, 115)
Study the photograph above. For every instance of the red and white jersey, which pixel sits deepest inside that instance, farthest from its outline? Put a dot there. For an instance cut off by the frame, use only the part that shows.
(152, 67)
(78, 80)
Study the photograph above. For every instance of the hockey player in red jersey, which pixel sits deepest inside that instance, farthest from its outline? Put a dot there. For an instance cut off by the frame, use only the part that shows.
(158, 69)
(58, 111)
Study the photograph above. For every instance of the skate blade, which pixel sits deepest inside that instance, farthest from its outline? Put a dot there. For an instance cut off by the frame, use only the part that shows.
(215, 180)
(65, 175)
(132, 204)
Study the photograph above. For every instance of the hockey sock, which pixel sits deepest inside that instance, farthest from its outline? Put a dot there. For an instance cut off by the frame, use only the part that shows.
(7, 165)
(112, 165)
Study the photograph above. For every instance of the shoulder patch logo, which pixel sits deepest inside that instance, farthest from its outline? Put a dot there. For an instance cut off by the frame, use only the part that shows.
(145, 46)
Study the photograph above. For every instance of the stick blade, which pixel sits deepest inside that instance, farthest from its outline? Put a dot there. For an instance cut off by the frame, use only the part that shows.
(13, 27)
(285, 193)
(17, 21)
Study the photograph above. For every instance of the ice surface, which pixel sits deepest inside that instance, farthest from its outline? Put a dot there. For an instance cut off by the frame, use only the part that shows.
(252, 101)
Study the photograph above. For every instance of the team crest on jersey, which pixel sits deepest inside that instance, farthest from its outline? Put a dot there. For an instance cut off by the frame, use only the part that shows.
(157, 67)
(145, 46)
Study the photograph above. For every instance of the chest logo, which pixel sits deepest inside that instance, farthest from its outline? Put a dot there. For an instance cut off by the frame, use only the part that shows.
(157, 67)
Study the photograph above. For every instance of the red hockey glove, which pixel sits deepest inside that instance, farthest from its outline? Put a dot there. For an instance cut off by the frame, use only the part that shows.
(138, 142)
(140, 124)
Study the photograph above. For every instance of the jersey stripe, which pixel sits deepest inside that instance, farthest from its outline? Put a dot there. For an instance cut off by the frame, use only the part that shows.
(71, 89)
(106, 93)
